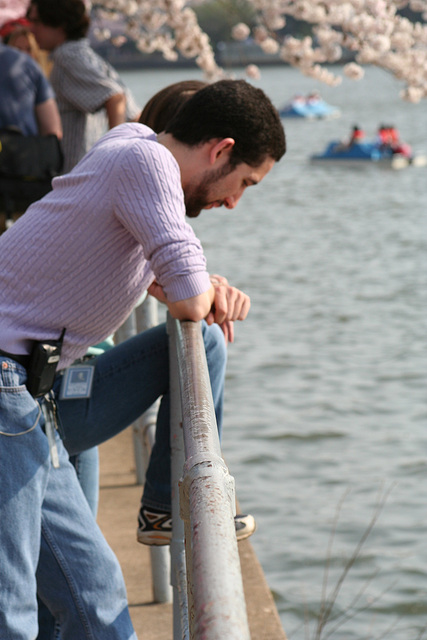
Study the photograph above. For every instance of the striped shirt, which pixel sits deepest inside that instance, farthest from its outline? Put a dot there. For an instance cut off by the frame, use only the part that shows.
(81, 257)
(83, 82)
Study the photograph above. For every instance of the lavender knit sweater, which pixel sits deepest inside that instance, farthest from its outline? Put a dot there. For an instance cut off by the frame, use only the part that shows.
(82, 256)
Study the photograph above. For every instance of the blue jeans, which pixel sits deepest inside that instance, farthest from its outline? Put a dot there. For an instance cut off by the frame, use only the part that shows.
(128, 379)
(86, 465)
(49, 539)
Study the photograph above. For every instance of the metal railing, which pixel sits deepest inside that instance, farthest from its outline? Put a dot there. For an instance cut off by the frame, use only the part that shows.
(203, 565)
(212, 606)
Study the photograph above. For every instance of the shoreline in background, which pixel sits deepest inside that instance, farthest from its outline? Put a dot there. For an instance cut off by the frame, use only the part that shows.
(227, 55)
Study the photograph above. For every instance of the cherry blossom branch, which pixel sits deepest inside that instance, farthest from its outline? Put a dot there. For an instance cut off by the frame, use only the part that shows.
(372, 30)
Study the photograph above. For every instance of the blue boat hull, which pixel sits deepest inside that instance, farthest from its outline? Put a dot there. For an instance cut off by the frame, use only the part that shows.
(364, 151)
(318, 109)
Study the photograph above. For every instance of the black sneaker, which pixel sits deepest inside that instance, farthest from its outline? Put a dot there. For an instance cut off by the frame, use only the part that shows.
(155, 527)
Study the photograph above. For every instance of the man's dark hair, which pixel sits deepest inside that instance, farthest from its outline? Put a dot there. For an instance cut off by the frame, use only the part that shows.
(232, 109)
(71, 15)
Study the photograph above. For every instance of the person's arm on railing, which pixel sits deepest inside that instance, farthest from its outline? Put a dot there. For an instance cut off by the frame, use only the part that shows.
(195, 308)
(222, 304)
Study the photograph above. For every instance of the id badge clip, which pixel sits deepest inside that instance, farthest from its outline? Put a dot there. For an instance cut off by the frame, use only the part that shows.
(77, 382)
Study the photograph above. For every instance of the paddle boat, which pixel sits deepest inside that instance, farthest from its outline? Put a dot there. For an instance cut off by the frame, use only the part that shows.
(359, 151)
(310, 107)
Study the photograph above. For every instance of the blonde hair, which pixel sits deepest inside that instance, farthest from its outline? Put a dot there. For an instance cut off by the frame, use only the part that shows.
(33, 49)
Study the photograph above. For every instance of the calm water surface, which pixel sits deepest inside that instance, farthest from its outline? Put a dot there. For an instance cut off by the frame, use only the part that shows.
(326, 415)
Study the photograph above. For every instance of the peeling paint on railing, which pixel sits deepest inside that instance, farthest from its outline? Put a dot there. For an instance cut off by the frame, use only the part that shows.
(205, 506)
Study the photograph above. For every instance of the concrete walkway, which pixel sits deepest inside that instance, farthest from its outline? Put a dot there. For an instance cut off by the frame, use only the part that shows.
(118, 508)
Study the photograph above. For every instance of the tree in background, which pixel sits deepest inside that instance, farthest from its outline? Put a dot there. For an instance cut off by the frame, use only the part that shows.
(375, 31)
(218, 17)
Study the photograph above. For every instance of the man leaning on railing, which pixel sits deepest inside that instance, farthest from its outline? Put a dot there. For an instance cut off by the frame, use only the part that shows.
(73, 268)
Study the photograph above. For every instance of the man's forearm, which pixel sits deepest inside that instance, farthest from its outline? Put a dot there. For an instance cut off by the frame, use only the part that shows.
(195, 308)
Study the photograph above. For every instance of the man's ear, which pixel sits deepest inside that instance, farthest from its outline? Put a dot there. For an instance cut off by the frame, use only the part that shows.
(221, 147)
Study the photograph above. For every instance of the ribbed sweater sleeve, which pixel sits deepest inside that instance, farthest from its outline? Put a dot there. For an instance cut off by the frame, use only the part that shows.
(148, 201)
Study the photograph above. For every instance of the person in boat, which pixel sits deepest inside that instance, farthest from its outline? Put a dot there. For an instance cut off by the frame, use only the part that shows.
(389, 139)
(384, 136)
(357, 136)
(313, 98)
(298, 101)
(131, 193)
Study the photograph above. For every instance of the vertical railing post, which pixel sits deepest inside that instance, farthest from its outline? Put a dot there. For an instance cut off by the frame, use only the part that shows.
(144, 317)
(144, 430)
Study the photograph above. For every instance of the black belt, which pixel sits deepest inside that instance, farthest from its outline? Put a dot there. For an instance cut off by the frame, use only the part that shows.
(20, 359)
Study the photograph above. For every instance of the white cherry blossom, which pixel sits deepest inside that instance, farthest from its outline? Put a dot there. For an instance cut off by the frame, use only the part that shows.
(240, 31)
(353, 71)
(252, 71)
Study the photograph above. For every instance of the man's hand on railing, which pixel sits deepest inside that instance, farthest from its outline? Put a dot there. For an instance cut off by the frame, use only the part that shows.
(230, 304)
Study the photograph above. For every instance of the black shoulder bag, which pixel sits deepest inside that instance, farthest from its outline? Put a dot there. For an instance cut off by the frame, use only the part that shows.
(27, 166)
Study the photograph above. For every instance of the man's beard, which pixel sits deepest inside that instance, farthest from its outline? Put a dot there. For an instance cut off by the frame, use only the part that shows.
(196, 196)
